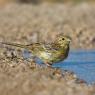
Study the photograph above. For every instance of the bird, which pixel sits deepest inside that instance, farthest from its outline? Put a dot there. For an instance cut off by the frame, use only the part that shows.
(49, 53)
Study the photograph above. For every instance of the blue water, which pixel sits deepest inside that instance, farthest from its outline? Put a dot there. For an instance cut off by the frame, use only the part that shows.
(81, 62)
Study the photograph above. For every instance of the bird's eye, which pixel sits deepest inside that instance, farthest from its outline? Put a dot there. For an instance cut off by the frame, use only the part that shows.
(63, 39)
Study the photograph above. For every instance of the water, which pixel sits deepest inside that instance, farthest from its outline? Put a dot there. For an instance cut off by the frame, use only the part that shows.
(81, 62)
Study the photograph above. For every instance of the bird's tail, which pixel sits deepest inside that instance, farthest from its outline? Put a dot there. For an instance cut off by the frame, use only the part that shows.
(15, 44)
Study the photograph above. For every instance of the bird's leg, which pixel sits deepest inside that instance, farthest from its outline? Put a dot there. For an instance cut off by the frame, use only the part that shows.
(48, 64)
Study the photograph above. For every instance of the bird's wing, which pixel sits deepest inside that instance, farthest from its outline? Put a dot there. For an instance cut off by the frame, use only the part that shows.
(36, 47)
(47, 47)
(52, 46)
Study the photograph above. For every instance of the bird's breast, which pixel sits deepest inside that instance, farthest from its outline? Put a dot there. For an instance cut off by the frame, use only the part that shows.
(45, 55)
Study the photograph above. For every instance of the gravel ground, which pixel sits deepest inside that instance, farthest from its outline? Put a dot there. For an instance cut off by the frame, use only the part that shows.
(27, 23)
(25, 78)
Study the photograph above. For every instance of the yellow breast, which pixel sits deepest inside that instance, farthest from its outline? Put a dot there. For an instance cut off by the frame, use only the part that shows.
(45, 55)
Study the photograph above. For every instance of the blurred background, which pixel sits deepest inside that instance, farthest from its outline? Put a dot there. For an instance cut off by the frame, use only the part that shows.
(27, 21)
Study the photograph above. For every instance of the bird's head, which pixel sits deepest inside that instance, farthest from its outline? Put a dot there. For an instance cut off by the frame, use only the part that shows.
(63, 40)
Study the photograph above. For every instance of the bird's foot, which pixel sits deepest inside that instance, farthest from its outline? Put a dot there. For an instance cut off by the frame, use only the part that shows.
(48, 65)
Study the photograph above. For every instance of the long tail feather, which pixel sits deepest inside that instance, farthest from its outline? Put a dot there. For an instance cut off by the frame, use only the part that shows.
(15, 44)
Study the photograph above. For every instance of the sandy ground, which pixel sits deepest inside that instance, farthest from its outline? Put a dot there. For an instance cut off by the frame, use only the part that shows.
(24, 78)
(26, 23)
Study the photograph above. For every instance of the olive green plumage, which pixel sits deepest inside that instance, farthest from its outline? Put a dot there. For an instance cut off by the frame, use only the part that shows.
(49, 53)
